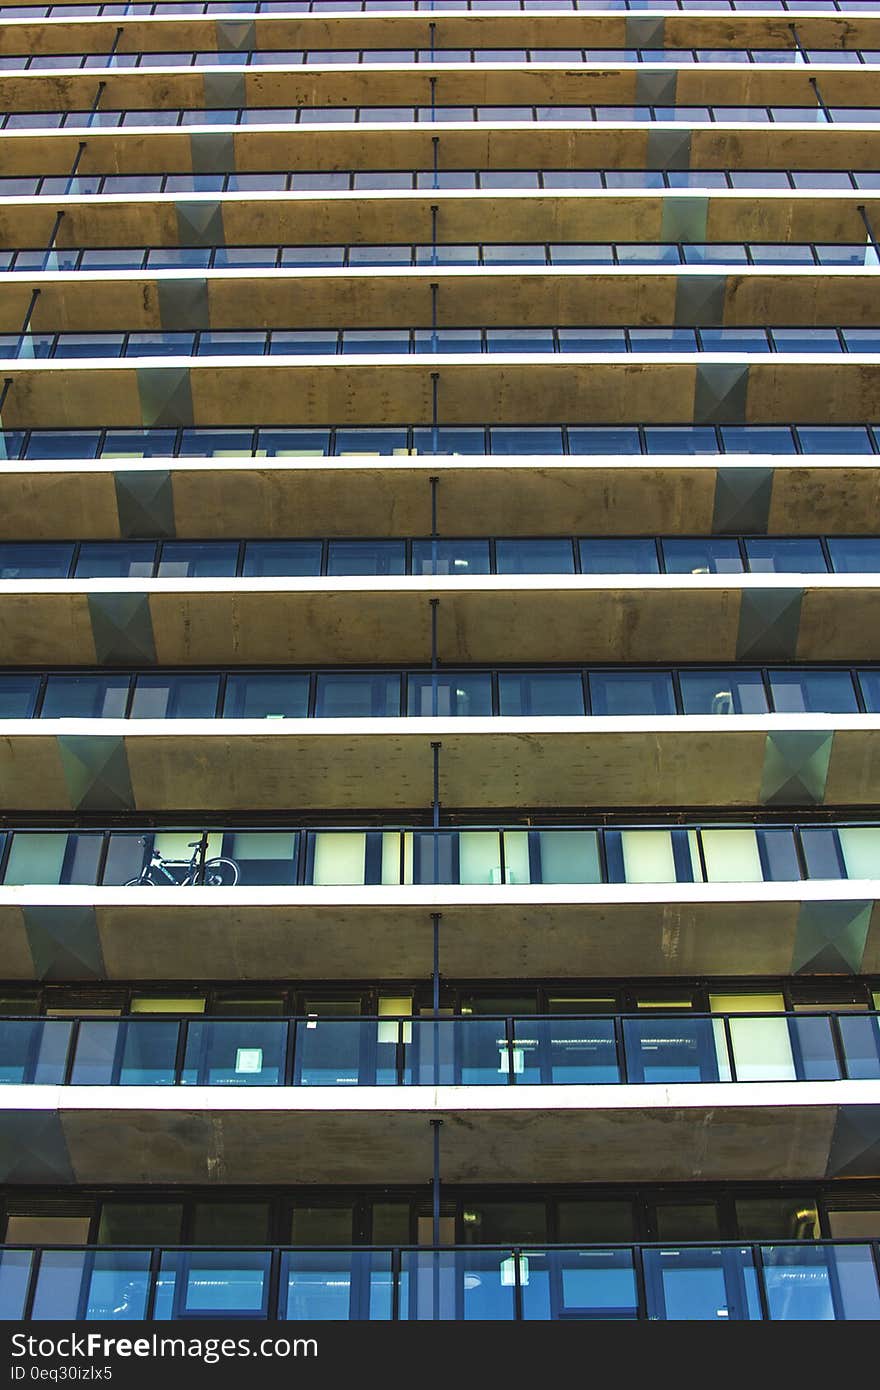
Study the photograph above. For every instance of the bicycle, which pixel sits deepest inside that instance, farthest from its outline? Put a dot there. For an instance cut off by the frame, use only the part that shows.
(218, 873)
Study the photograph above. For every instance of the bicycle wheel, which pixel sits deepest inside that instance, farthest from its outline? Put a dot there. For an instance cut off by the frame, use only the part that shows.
(142, 881)
(220, 873)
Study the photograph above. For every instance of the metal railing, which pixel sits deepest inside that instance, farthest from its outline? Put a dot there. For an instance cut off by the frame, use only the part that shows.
(474, 1050)
(725, 1281)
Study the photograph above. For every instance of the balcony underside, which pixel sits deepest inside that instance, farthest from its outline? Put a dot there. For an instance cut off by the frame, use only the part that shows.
(509, 388)
(607, 83)
(742, 1131)
(518, 215)
(109, 765)
(479, 496)
(130, 301)
(676, 618)
(595, 30)
(465, 145)
(354, 933)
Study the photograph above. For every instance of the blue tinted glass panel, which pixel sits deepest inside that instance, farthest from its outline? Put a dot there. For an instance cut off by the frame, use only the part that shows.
(631, 692)
(139, 444)
(287, 443)
(175, 697)
(603, 439)
(198, 560)
(370, 441)
(85, 697)
(540, 692)
(450, 557)
(812, 692)
(854, 554)
(366, 557)
(869, 681)
(116, 560)
(758, 439)
(540, 556)
(357, 695)
(712, 556)
(449, 693)
(266, 696)
(525, 439)
(670, 439)
(62, 444)
(822, 856)
(786, 555)
(615, 555)
(834, 439)
(215, 443)
(449, 441)
(722, 692)
(291, 559)
(35, 561)
(18, 696)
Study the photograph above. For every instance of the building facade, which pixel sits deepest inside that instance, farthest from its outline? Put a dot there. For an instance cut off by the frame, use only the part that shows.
(440, 690)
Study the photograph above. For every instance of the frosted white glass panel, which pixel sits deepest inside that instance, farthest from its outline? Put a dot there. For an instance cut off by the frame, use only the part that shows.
(479, 856)
(178, 844)
(732, 856)
(762, 1049)
(516, 856)
(391, 856)
(339, 857)
(647, 856)
(861, 850)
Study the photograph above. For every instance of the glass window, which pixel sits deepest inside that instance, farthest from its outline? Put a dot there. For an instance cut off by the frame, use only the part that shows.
(812, 692)
(449, 441)
(139, 444)
(450, 557)
(85, 697)
(581, 253)
(604, 439)
(648, 856)
(201, 443)
(61, 444)
(860, 845)
(376, 341)
(357, 695)
(305, 342)
(758, 439)
(619, 555)
(712, 556)
(133, 1223)
(688, 1221)
(35, 560)
(681, 439)
(869, 682)
(371, 441)
(263, 857)
(785, 555)
(595, 1221)
(731, 856)
(519, 339)
(525, 439)
(18, 696)
(734, 340)
(539, 556)
(566, 856)
(230, 1223)
(266, 695)
(323, 1225)
(449, 693)
(821, 849)
(731, 691)
(47, 857)
(540, 693)
(294, 443)
(777, 1218)
(631, 692)
(366, 557)
(715, 253)
(175, 696)
(592, 340)
(339, 858)
(834, 439)
(286, 559)
(198, 560)
(116, 560)
(809, 340)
